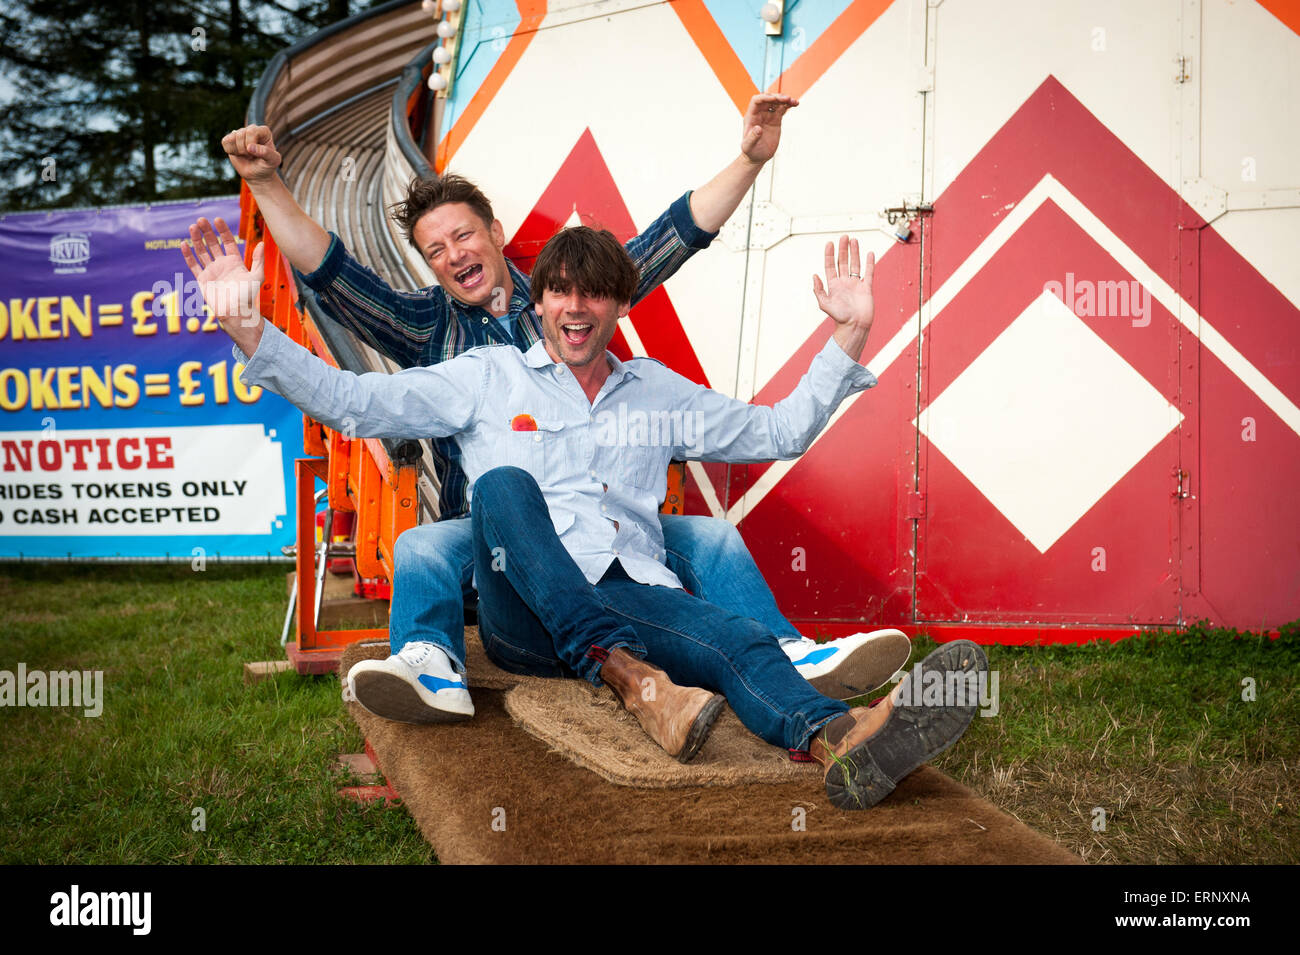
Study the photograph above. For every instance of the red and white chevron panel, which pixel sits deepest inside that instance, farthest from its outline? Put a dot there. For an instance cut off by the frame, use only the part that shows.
(1089, 353)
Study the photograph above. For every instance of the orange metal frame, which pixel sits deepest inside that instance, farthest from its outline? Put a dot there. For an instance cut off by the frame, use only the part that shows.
(358, 473)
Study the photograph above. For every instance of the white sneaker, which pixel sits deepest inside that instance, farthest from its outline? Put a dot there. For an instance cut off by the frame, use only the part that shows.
(850, 666)
(417, 685)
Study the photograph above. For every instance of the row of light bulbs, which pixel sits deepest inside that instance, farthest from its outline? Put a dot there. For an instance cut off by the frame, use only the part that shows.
(446, 30)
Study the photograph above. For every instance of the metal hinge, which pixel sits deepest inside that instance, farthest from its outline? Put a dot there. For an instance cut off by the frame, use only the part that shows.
(1184, 484)
(1184, 64)
(915, 506)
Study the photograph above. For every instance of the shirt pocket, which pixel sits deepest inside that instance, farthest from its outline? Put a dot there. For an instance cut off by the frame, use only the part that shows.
(540, 452)
(643, 468)
(524, 449)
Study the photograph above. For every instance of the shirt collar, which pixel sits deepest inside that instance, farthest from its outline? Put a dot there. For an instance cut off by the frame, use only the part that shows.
(538, 357)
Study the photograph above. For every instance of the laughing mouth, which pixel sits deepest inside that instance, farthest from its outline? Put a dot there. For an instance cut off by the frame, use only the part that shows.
(575, 333)
(468, 276)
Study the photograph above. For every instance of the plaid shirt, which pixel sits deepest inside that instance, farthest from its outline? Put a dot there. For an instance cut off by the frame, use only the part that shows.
(429, 326)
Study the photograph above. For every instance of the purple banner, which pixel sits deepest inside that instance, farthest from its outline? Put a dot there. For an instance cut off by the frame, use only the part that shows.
(124, 427)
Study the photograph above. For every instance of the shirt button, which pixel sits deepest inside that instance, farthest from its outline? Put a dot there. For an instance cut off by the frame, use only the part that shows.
(615, 553)
(537, 437)
(485, 321)
(604, 509)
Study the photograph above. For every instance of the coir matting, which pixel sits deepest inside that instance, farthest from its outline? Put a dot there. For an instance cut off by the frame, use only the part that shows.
(583, 784)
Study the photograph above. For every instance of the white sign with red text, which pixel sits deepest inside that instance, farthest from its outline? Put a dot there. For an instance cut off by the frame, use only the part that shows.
(205, 479)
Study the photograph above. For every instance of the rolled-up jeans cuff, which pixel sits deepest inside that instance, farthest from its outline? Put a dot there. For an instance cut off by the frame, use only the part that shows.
(595, 657)
(813, 729)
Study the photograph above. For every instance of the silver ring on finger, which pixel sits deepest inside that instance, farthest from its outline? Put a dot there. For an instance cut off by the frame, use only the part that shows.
(854, 275)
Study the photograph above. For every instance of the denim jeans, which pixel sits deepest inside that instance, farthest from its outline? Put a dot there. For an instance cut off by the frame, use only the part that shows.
(435, 570)
(538, 615)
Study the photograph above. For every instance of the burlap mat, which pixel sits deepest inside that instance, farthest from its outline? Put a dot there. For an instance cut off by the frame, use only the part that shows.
(590, 727)
(485, 791)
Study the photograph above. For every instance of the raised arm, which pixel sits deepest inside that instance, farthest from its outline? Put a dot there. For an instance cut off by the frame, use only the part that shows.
(396, 324)
(253, 154)
(437, 401)
(713, 203)
(725, 429)
(691, 222)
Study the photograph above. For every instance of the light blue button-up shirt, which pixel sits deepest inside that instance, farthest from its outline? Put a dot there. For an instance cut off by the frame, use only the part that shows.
(602, 465)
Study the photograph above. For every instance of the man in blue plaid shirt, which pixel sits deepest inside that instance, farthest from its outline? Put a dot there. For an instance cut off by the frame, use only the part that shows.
(483, 298)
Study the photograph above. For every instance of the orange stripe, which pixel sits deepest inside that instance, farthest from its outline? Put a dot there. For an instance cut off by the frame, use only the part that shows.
(708, 36)
(1288, 11)
(827, 48)
(531, 13)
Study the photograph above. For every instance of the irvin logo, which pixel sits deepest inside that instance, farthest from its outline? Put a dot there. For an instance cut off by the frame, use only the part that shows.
(70, 252)
(102, 908)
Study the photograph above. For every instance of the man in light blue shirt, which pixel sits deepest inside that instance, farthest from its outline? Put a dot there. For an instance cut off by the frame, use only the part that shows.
(482, 297)
(566, 450)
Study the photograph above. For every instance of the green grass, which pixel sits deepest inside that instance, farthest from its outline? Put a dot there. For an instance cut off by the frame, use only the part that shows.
(179, 730)
(1152, 730)
(1155, 732)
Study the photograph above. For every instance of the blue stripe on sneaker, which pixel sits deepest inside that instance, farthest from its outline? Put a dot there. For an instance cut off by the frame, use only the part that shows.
(817, 656)
(436, 684)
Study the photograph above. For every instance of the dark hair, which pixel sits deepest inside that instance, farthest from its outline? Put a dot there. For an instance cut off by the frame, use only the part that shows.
(591, 259)
(425, 195)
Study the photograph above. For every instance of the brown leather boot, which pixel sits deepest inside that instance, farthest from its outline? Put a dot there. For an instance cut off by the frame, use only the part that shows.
(866, 752)
(831, 746)
(678, 718)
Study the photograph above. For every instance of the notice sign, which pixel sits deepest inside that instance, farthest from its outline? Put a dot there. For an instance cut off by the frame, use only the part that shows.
(214, 479)
(125, 429)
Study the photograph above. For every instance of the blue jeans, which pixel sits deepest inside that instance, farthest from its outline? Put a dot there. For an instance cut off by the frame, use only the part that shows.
(435, 570)
(540, 616)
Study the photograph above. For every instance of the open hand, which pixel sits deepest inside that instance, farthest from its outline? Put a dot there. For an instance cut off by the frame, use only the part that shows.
(846, 297)
(762, 125)
(230, 289)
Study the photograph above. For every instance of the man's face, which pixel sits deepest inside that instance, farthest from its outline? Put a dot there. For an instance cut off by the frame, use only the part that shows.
(464, 253)
(578, 327)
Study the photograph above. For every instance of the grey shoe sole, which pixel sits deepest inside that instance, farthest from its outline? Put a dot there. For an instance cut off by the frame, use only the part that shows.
(914, 734)
(700, 729)
(391, 697)
(865, 669)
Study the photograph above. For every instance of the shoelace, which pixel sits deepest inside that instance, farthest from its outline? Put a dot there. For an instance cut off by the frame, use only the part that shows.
(414, 654)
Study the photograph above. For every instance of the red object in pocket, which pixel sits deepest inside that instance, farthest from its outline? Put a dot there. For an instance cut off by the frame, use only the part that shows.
(523, 422)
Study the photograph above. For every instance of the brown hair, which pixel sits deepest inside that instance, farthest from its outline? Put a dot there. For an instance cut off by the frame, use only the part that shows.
(591, 259)
(425, 195)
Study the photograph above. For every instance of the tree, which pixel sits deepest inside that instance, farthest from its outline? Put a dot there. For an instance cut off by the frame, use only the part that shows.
(116, 102)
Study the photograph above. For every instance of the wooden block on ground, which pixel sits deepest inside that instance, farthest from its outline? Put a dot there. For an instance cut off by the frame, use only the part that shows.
(264, 669)
(359, 765)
